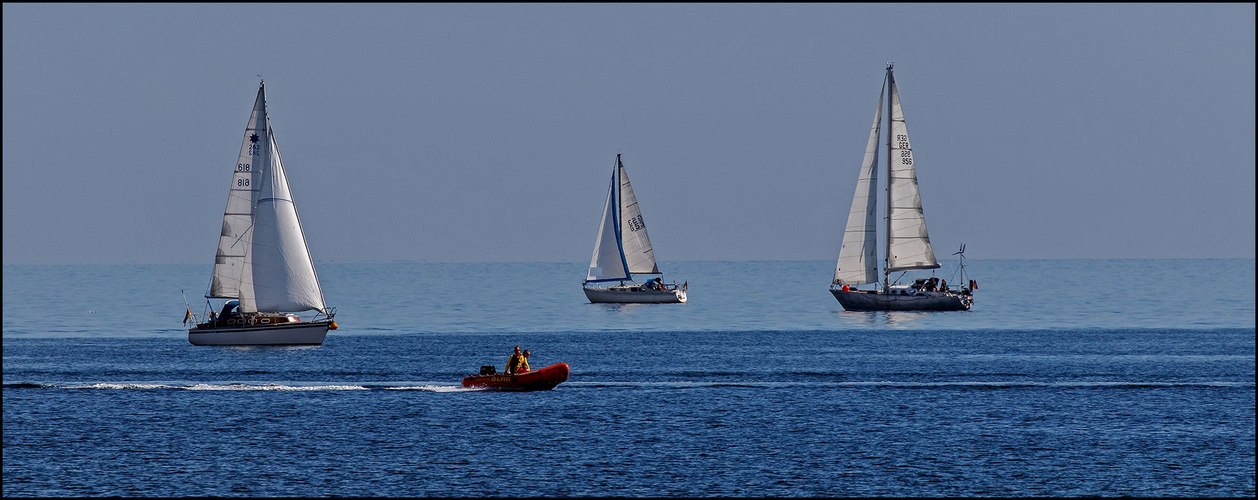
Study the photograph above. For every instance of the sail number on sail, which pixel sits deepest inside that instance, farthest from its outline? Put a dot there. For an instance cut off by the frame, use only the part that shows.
(906, 154)
(636, 223)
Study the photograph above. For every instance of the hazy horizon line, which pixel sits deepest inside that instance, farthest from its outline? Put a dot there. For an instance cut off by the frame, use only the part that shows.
(411, 261)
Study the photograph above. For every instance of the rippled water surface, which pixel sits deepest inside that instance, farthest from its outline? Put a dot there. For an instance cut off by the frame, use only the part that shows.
(1068, 378)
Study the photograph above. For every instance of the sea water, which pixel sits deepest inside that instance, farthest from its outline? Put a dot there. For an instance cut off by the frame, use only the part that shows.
(1069, 377)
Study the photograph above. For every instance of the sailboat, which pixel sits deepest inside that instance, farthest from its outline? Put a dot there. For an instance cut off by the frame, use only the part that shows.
(622, 250)
(263, 265)
(907, 243)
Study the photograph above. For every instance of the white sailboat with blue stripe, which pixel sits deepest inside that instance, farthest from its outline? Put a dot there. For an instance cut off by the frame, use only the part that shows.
(622, 249)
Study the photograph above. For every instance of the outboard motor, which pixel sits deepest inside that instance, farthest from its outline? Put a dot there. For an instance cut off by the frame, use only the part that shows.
(488, 370)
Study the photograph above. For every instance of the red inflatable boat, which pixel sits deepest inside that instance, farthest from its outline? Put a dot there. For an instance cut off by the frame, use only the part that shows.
(542, 379)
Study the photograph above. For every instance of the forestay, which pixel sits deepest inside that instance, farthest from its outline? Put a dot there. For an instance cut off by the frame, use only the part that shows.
(858, 262)
(907, 241)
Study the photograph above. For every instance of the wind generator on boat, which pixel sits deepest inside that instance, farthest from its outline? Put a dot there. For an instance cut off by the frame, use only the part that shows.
(622, 249)
(907, 243)
(263, 264)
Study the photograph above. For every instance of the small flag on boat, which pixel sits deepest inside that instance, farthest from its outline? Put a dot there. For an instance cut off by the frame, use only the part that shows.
(685, 285)
(186, 316)
(973, 285)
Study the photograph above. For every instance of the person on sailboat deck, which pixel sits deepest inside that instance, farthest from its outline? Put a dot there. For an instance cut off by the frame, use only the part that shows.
(524, 362)
(514, 362)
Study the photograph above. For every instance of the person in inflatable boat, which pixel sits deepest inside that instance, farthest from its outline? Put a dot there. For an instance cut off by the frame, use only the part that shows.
(514, 362)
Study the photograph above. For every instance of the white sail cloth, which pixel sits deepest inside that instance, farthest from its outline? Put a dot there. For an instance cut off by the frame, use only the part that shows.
(607, 264)
(908, 243)
(639, 255)
(858, 262)
(234, 242)
(276, 273)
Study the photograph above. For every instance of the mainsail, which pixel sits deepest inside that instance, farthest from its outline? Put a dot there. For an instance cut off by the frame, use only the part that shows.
(858, 263)
(234, 242)
(633, 239)
(908, 245)
(263, 259)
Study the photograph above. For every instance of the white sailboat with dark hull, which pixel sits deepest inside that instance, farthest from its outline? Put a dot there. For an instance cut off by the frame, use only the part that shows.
(907, 243)
(622, 249)
(263, 265)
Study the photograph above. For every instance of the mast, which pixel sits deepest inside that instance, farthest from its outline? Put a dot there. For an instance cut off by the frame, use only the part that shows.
(886, 263)
(620, 242)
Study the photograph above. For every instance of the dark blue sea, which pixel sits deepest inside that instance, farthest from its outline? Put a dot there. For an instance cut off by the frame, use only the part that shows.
(1068, 378)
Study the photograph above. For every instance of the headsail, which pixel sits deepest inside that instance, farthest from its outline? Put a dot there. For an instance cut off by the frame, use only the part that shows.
(607, 263)
(283, 274)
(234, 241)
(858, 262)
(639, 256)
(907, 242)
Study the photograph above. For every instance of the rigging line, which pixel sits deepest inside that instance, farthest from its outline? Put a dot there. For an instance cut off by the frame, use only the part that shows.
(242, 235)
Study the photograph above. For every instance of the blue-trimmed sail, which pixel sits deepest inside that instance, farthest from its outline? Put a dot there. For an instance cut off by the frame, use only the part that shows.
(607, 264)
(622, 247)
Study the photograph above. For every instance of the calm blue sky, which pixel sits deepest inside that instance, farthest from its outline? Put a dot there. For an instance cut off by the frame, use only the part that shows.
(453, 132)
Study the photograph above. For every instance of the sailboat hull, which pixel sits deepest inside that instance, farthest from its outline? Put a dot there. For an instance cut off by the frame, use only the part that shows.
(307, 333)
(634, 295)
(910, 300)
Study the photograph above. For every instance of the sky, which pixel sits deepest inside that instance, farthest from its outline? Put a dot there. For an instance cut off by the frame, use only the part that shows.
(488, 132)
